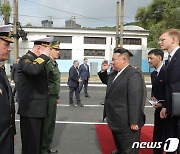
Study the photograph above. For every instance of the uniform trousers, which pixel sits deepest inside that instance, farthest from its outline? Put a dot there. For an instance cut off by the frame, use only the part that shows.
(49, 124)
(31, 134)
(124, 141)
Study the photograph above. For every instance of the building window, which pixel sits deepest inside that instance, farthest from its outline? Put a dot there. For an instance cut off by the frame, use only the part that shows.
(65, 54)
(132, 41)
(94, 40)
(94, 52)
(63, 39)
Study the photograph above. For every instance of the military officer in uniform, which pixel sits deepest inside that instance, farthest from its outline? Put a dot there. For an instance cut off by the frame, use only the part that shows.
(33, 95)
(7, 110)
(53, 75)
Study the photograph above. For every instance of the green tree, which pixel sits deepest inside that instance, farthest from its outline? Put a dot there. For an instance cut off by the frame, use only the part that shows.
(158, 16)
(5, 11)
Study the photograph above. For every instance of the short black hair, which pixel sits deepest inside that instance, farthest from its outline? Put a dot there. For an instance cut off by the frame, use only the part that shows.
(157, 52)
(122, 50)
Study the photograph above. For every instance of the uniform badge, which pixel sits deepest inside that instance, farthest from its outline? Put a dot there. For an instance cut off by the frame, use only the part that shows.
(1, 92)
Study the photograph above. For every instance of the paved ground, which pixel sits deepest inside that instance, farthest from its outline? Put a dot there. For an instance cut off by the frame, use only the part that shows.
(75, 127)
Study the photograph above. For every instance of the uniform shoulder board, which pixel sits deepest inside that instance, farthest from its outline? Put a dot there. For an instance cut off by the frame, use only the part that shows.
(39, 60)
(27, 60)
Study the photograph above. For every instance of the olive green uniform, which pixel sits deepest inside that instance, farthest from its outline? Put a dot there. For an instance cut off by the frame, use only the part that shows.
(53, 75)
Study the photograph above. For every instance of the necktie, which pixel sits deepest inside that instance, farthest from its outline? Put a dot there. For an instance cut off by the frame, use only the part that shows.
(116, 76)
(77, 71)
(156, 74)
(169, 59)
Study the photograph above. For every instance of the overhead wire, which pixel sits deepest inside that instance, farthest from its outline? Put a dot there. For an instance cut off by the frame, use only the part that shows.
(67, 11)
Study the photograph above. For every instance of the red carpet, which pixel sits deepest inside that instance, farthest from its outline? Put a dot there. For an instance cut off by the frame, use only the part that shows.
(106, 140)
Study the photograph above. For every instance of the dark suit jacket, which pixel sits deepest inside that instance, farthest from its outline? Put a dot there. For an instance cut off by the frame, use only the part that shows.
(14, 74)
(124, 99)
(73, 77)
(83, 72)
(159, 85)
(172, 80)
(7, 112)
(32, 85)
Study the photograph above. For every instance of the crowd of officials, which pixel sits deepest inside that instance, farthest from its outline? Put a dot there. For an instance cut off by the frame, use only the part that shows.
(38, 87)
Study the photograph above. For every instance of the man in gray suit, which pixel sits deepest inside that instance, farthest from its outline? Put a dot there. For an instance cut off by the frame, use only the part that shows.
(124, 101)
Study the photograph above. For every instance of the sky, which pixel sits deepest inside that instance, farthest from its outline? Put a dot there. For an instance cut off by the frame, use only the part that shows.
(87, 13)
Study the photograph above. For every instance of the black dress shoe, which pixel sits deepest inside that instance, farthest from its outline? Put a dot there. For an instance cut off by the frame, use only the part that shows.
(52, 151)
(88, 96)
(115, 152)
(80, 105)
(72, 105)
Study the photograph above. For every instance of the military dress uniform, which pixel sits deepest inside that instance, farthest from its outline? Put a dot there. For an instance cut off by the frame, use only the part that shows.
(33, 99)
(7, 109)
(53, 75)
(7, 115)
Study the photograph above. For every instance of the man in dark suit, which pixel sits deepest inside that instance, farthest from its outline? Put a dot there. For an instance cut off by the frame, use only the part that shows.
(155, 59)
(169, 40)
(85, 75)
(14, 77)
(124, 101)
(73, 83)
(33, 95)
(7, 110)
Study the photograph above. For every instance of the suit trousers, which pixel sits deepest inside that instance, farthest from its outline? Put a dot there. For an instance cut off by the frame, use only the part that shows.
(172, 125)
(71, 93)
(124, 141)
(85, 83)
(159, 130)
(49, 124)
(31, 134)
(6, 141)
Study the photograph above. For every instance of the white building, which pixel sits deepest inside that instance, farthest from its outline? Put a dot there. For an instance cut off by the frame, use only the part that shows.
(94, 44)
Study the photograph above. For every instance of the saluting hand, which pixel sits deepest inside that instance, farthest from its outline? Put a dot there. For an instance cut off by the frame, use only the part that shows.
(104, 65)
(45, 51)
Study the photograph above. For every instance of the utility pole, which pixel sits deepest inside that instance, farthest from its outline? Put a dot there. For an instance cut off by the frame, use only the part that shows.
(122, 23)
(15, 23)
(117, 24)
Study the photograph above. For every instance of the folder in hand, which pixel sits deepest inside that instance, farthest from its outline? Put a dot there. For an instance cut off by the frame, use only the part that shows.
(154, 102)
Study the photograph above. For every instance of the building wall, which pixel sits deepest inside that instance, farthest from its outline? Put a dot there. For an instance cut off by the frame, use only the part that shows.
(78, 45)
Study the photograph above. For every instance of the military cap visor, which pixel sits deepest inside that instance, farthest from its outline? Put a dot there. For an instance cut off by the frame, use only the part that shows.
(55, 45)
(46, 41)
(46, 44)
(5, 33)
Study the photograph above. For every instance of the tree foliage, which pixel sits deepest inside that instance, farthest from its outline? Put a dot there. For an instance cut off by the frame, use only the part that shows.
(158, 16)
(5, 10)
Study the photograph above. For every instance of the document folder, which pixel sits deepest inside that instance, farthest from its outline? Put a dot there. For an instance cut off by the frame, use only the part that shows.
(176, 104)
